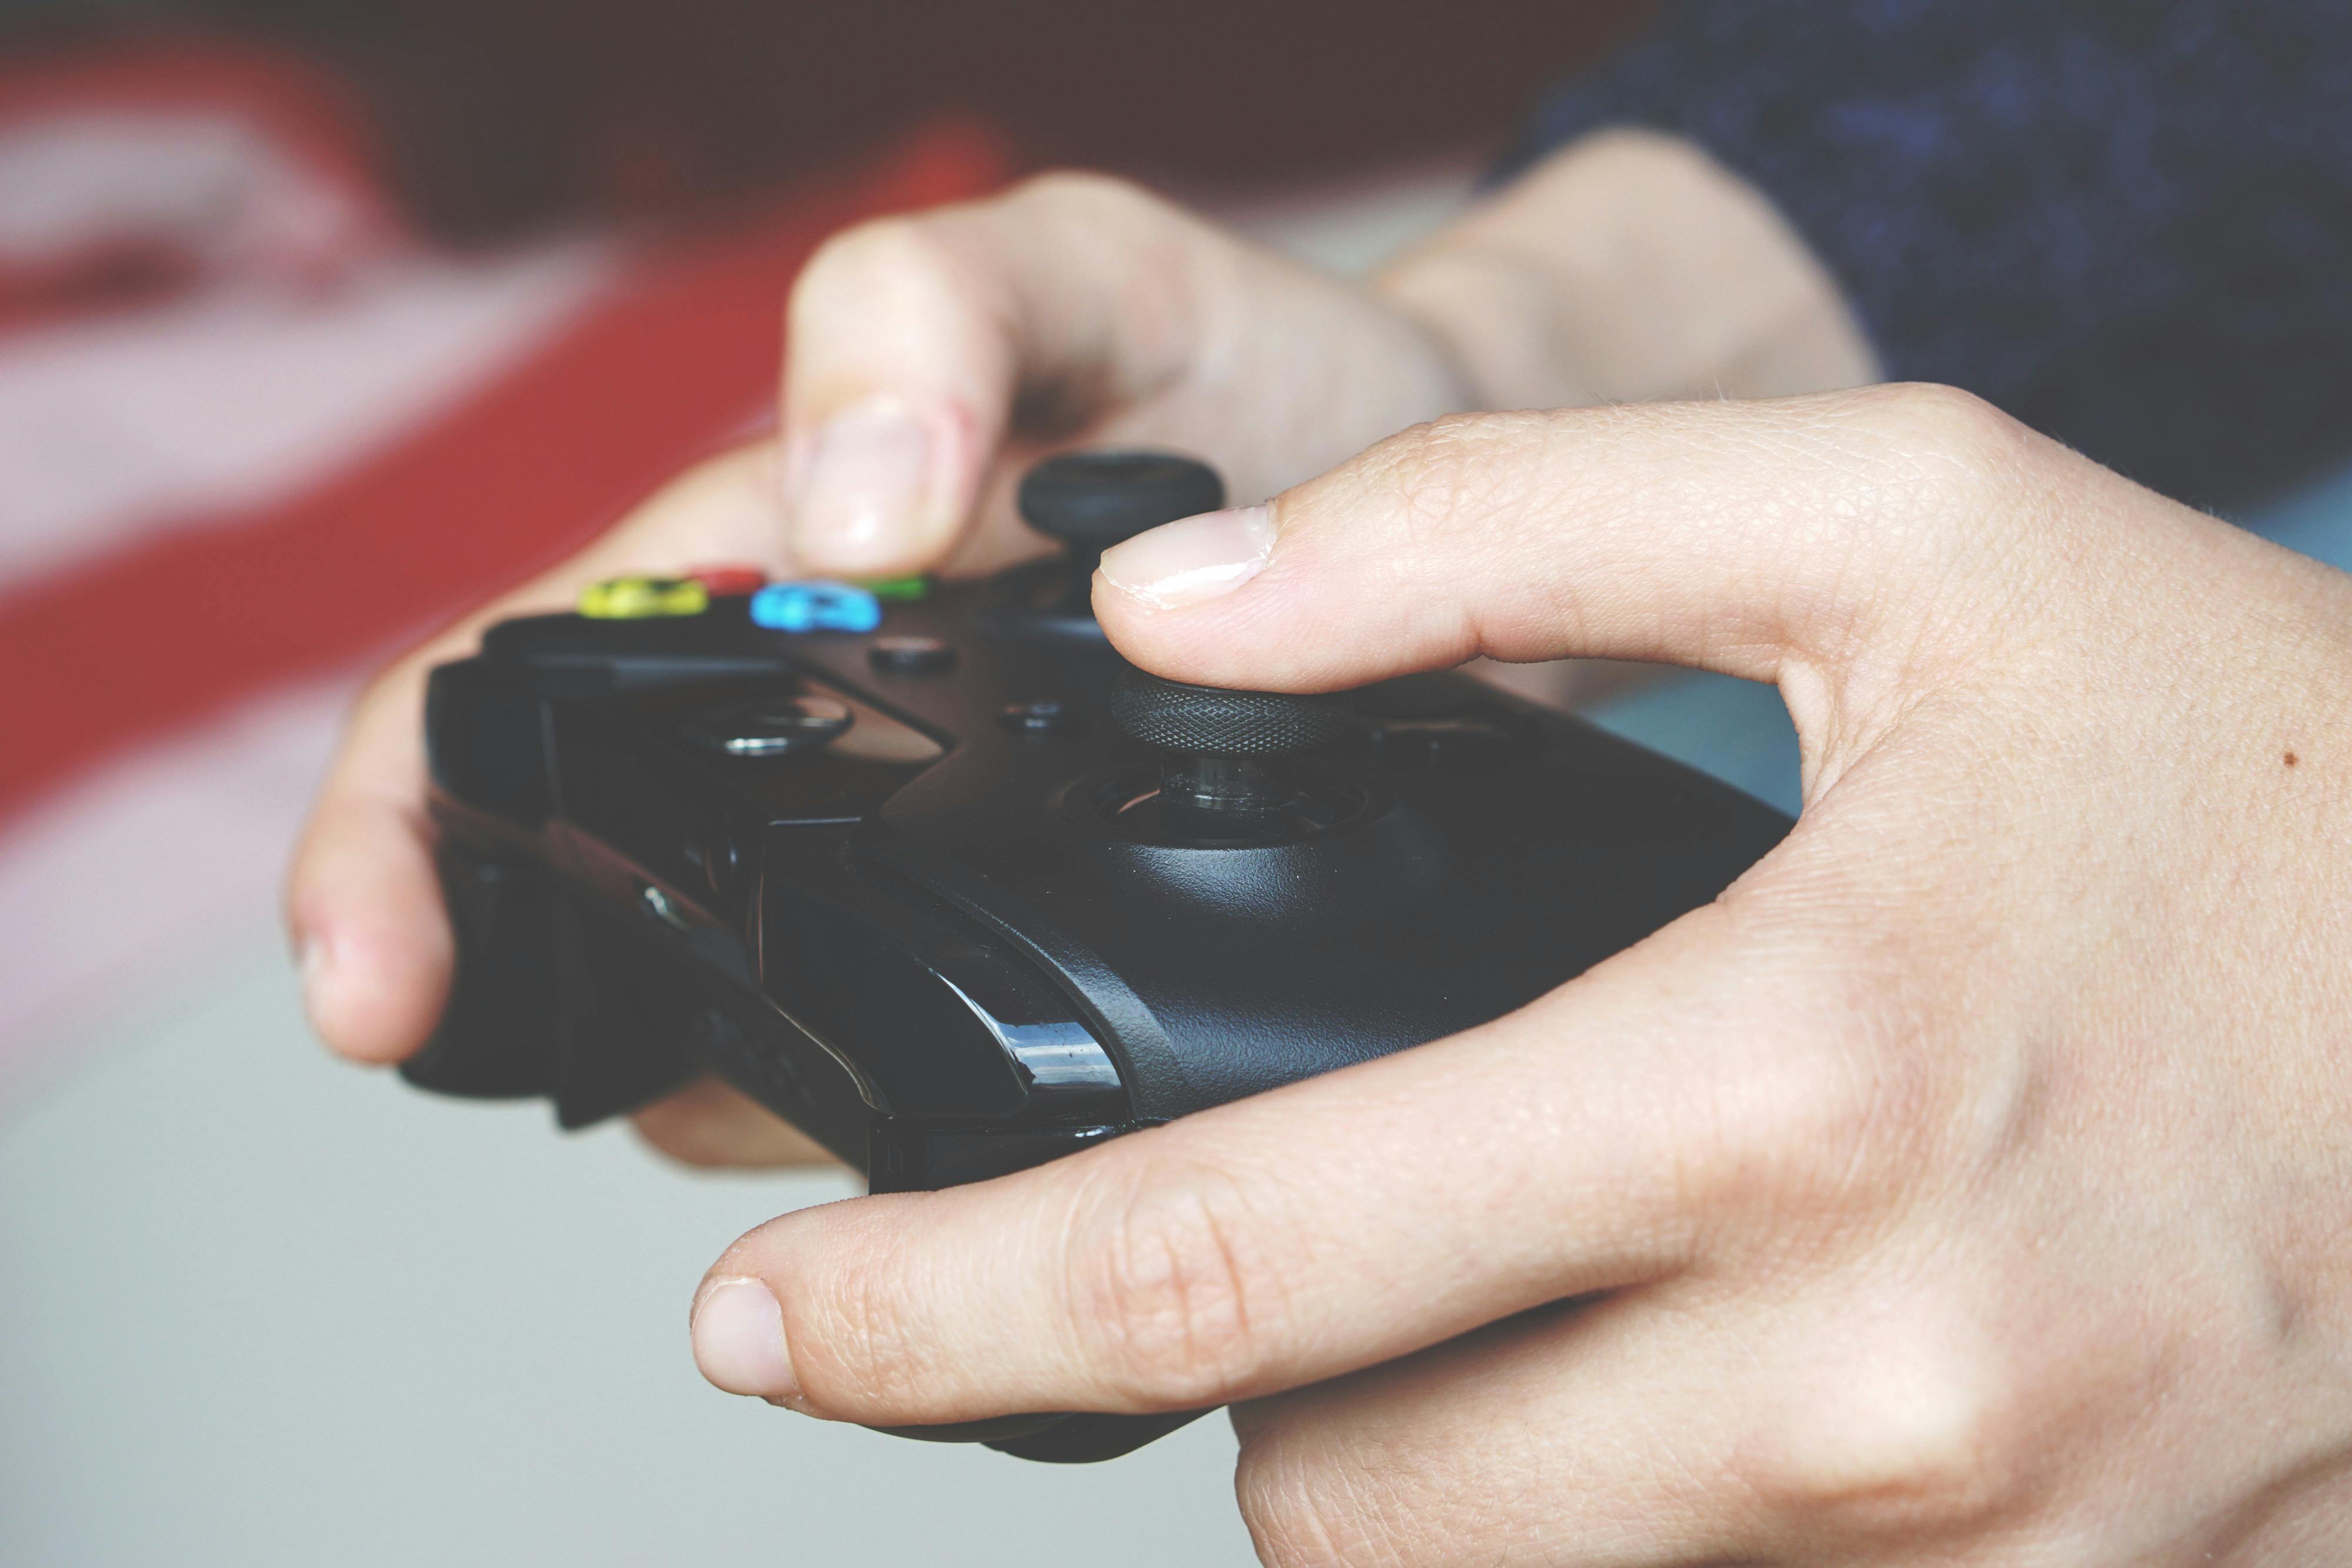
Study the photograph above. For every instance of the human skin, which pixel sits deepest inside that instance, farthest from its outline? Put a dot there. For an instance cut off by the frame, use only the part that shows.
(1968, 1185)
(929, 357)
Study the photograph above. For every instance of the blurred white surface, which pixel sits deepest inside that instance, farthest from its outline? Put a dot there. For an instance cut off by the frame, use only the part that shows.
(116, 427)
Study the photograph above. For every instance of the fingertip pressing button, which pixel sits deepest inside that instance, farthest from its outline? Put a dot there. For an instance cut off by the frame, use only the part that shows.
(640, 597)
(815, 606)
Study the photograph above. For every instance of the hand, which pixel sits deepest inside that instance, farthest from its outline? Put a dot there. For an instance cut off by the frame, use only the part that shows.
(1970, 1184)
(932, 359)
(929, 358)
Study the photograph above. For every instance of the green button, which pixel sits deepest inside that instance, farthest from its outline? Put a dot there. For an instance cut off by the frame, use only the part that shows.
(896, 590)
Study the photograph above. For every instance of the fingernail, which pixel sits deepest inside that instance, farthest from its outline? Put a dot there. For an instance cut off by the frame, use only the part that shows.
(1192, 558)
(858, 483)
(739, 1340)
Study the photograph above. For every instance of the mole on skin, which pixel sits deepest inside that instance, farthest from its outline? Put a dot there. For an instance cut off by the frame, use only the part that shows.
(2290, 759)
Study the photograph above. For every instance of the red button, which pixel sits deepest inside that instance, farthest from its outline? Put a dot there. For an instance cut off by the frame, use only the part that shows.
(724, 580)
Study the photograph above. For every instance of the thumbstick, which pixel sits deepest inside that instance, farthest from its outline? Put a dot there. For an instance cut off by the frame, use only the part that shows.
(1225, 754)
(1093, 500)
(1215, 721)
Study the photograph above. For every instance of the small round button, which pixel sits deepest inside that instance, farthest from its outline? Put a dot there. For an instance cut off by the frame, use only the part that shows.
(910, 655)
(1045, 717)
(816, 605)
(906, 589)
(774, 727)
(729, 578)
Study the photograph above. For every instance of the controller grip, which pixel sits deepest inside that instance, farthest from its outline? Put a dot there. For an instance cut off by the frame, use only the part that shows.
(1087, 1439)
(515, 1027)
(1082, 1438)
(497, 1038)
(552, 998)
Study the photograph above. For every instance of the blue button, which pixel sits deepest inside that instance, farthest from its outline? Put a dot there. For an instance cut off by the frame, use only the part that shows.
(815, 607)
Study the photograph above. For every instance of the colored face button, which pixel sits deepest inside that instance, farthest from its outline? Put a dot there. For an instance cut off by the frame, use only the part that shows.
(732, 578)
(897, 590)
(815, 607)
(640, 597)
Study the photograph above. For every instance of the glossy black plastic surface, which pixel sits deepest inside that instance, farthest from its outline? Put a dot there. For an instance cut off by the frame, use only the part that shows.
(949, 942)
(1093, 500)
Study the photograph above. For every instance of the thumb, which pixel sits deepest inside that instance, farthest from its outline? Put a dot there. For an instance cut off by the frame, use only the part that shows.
(1741, 538)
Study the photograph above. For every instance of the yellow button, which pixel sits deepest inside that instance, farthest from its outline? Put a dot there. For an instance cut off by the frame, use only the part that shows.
(636, 598)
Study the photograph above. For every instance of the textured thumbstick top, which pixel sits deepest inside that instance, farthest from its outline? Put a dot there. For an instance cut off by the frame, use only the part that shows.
(1094, 500)
(1214, 722)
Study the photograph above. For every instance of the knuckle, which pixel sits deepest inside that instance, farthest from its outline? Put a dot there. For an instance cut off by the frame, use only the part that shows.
(923, 243)
(875, 255)
(1953, 456)
(1085, 193)
(682, 1140)
(1946, 424)
(1929, 524)
(1824, 1116)
(842, 250)
(711, 1126)
(1172, 1301)
(1920, 1440)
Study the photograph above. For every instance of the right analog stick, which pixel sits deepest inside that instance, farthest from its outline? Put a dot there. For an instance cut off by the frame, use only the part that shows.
(1223, 754)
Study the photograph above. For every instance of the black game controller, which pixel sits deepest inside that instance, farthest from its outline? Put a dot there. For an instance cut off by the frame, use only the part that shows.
(954, 889)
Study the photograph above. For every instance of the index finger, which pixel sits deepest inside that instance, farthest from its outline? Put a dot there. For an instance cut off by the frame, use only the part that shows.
(910, 340)
(1609, 1134)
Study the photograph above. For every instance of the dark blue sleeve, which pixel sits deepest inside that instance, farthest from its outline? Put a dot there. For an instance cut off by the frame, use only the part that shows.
(2129, 222)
